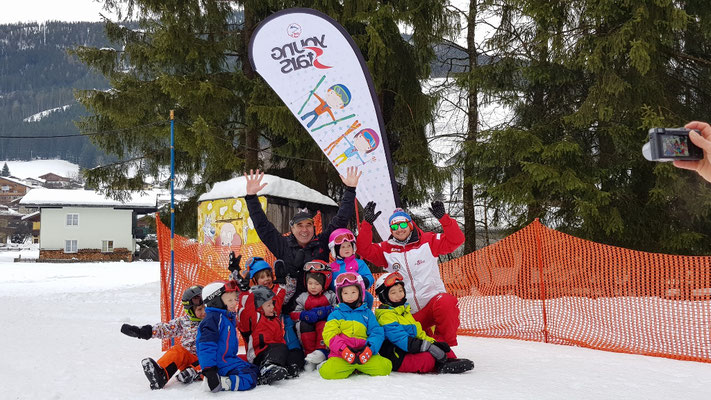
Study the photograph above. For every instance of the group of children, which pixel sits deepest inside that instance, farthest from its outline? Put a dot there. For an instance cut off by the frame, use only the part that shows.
(337, 328)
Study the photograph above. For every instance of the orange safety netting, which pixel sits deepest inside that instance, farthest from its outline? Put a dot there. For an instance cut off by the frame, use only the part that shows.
(542, 285)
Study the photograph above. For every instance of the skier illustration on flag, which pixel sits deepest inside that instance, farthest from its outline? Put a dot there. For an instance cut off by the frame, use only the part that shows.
(337, 97)
(364, 142)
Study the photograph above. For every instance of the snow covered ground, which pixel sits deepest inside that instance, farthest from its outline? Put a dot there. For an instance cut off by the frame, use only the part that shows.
(35, 168)
(61, 329)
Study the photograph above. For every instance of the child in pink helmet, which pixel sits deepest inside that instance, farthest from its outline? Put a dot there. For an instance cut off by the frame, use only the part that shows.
(342, 243)
(353, 334)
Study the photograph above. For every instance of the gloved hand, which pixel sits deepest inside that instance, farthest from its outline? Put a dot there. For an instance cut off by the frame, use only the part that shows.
(415, 345)
(348, 355)
(437, 209)
(310, 316)
(369, 213)
(323, 312)
(280, 272)
(235, 275)
(213, 380)
(365, 355)
(443, 345)
(234, 262)
(144, 332)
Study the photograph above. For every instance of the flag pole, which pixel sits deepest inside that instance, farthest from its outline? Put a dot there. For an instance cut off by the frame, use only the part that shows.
(172, 216)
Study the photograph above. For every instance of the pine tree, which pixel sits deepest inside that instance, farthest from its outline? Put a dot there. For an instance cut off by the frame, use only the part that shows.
(586, 80)
(191, 57)
(5, 170)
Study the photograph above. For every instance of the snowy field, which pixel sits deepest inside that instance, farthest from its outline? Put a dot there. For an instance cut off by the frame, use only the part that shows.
(61, 329)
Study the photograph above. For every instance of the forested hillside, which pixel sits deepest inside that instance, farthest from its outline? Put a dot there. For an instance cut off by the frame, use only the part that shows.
(36, 75)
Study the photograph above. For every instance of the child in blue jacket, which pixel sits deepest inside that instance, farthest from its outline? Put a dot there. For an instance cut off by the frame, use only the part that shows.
(217, 342)
(342, 243)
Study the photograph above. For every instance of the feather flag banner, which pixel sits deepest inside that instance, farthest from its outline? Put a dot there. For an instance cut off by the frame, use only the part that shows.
(315, 67)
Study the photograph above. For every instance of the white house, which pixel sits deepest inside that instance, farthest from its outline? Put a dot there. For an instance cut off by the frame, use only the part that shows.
(85, 225)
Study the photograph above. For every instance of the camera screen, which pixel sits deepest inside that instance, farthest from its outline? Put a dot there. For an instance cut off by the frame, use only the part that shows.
(675, 146)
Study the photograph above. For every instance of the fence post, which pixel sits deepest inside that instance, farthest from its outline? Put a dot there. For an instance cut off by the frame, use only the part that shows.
(541, 281)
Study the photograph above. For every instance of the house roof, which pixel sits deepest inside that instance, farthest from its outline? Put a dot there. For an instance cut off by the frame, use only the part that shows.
(89, 198)
(30, 215)
(14, 180)
(276, 187)
(54, 177)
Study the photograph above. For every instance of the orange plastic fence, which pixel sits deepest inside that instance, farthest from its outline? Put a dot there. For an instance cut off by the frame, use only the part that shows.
(542, 285)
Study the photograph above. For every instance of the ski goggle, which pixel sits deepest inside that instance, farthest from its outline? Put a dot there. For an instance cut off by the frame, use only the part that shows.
(393, 278)
(344, 237)
(347, 278)
(401, 225)
(231, 286)
(316, 266)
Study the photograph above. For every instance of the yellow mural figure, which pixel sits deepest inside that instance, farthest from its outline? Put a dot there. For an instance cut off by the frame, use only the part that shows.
(226, 222)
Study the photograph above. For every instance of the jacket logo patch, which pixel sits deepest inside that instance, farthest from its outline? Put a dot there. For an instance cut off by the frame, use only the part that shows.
(396, 266)
(420, 262)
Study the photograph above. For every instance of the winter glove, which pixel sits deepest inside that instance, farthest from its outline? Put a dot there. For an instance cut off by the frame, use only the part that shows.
(365, 355)
(144, 332)
(415, 345)
(234, 262)
(323, 312)
(213, 380)
(437, 353)
(369, 213)
(310, 316)
(348, 355)
(437, 209)
(443, 345)
(280, 272)
(235, 275)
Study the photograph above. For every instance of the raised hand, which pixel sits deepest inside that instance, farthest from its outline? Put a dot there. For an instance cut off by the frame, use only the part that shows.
(369, 213)
(254, 181)
(437, 209)
(352, 177)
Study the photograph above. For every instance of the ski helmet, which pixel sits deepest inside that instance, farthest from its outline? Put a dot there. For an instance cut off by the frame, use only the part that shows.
(318, 270)
(256, 264)
(211, 294)
(349, 279)
(339, 236)
(383, 285)
(192, 297)
(261, 295)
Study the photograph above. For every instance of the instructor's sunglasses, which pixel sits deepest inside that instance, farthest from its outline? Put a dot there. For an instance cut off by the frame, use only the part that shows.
(401, 225)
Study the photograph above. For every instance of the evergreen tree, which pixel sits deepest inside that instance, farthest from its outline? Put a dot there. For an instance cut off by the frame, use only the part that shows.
(5, 170)
(586, 81)
(191, 56)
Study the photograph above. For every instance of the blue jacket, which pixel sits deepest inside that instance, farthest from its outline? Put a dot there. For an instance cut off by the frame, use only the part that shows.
(358, 323)
(218, 344)
(340, 266)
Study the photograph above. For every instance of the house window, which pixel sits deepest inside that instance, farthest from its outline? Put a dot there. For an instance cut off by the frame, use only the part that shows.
(70, 246)
(107, 246)
(5, 188)
(72, 219)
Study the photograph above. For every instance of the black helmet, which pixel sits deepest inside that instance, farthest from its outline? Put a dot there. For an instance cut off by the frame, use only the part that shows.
(192, 297)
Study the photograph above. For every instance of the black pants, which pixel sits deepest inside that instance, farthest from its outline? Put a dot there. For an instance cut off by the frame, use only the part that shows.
(279, 354)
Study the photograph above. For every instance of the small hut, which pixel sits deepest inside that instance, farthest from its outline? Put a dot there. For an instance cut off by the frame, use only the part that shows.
(223, 218)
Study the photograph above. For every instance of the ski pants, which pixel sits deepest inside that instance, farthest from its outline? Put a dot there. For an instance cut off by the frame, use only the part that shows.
(279, 354)
(440, 318)
(407, 362)
(338, 368)
(312, 336)
(177, 358)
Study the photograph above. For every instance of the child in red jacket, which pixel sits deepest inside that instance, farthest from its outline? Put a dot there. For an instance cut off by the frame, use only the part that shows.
(266, 347)
(312, 310)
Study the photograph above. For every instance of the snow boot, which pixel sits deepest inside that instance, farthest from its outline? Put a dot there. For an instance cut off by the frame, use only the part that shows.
(157, 376)
(188, 375)
(292, 371)
(271, 373)
(455, 366)
(313, 359)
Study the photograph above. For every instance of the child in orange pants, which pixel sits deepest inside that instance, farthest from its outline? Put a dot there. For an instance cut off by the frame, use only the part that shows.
(182, 356)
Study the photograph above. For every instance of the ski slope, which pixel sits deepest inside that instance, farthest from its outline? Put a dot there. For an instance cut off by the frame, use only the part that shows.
(61, 329)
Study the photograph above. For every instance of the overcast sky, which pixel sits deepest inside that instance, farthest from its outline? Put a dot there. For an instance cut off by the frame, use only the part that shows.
(56, 10)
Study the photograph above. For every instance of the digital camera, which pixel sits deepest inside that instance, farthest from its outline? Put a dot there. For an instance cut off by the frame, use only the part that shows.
(669, 144)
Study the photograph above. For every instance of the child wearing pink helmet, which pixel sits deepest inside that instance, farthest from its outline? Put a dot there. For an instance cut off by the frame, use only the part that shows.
(353, 334)
(342, 243)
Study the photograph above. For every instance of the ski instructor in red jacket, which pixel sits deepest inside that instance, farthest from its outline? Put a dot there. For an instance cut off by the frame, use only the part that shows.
(414, 254)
